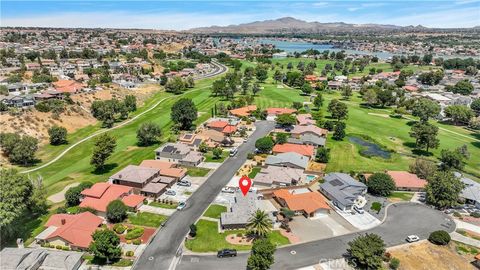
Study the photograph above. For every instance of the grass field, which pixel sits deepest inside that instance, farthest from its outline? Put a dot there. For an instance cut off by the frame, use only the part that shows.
(163, 205)
(208, 238)
(146, 219)
(401, 196)
(197, 172)
(214, 211)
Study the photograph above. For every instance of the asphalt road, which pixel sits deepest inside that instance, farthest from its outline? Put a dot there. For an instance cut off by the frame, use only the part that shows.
(402, 220)
(163, 247)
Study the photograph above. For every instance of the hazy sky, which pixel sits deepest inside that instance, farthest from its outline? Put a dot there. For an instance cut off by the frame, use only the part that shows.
(181, 15)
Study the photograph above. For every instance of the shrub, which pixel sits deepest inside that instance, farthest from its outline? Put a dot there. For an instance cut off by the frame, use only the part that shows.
(376, 206)
(137, 242)
(65, 248)
(439, 238)
(133, 233)
(250, 155)
(394, 263)
(129, 253)
(193, 230)
(475, 214)
(119, 228)
(457, 214)
(58, 247)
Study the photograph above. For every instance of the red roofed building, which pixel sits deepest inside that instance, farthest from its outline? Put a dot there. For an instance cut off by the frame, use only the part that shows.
(278, 111)
(309, 204)
(228, 130)
(73, 231)
(410, 88)
(243, 111)
(305, 150)
(68, 86)
(405, 181)
(311, 78)
(217, 125)
(101, 194)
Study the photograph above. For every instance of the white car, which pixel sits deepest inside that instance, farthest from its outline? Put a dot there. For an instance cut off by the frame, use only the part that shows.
(171, 192)
(358, 209)
(233, 152)
(228, 190)
(412, 238)
(181, 205)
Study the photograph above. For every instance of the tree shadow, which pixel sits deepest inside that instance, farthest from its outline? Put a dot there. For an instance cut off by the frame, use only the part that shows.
(411, 123)
(409, 144)
(106, 168)
(476, 144)
(420, 152)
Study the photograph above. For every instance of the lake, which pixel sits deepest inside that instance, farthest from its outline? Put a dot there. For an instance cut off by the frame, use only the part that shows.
(369, 148)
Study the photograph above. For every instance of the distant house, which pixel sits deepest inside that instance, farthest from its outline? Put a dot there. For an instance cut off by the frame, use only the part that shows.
(305, 119)
(166, 168)
(272, 113)
(68, 86)
(299, 130)
(307, 203)
(178, 153)
(471, 191)
(39, 259)
(73, 231)
(191, 140)
(101, 194)
(405, 181)
(288, 159)
(305, 150)
(215, 138)
(277, 176)
(18, 101)
(343, 190)
(134, 176)
(308, 139)
(243, 111)
(240, 211)
(222, 126)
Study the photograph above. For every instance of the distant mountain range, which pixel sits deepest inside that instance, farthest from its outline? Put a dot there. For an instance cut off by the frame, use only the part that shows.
(288, 25)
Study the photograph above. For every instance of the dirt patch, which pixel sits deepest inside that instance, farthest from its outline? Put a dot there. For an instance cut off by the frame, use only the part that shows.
(236, 240)
(428, 256)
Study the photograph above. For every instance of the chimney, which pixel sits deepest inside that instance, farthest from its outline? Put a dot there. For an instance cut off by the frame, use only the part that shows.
(63, 221)
(120, 176)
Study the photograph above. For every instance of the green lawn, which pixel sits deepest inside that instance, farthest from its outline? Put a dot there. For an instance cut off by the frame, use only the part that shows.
(254, 172)
(197, 172)
(215, 210)
(399, 195)
(163, 205)
(146, 219)
(208, 239)
(209, 157)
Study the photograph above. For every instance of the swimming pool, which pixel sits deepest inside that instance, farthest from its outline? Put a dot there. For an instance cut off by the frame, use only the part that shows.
(310, 178)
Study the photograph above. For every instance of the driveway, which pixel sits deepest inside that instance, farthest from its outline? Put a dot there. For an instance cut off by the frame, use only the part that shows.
(318, 228)
(164, 245)
(363, 221)
(403, 219)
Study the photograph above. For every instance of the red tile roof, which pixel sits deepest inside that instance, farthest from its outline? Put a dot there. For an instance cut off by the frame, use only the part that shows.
(404, 179)
(411, 88)
(229, 129)
(309, 202)
(75, 229)
(306, 150)
(217, 124)
(67, 86)
(133, 200)
(243, 111)
(101, 194)
(300, 129)
(156, 164)
(278, 111)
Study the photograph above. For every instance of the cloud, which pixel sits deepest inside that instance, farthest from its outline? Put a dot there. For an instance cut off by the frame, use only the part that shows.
(320, 4)
(353, 8)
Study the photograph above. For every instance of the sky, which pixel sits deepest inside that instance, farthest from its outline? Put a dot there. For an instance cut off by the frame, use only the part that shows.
(183, 15)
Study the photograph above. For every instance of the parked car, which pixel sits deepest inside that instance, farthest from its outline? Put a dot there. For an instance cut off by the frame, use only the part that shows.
(227, 253)
(171, 192)
(233, 152)
(412, 238)
(358, 209)
(181, 205)
(228, 190)
(184, 183)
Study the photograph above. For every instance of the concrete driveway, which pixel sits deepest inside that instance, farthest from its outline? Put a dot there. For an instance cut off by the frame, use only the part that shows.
(315, 229)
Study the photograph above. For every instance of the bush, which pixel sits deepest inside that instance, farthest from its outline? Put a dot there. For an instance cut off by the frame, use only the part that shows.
(129, 253)
(116, 211)
(137, 242)
(475, 214)
(376, 206)
(58, 247)
(119, 228)
(250, 155)
(133, 233)
(439, 238)
(65, 248)
(380, 184)
(394, 263)
(193, 230)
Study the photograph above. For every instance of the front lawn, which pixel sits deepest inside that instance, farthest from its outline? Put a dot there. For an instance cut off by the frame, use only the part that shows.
(197, 172)
(146, 219)
(210, 158)
(209, 240)
(214, 211)
(163, 205)
(401, 196)
(254, 172)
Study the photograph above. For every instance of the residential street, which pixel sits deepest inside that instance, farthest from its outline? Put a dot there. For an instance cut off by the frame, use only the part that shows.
(164, 245)
(402, 220)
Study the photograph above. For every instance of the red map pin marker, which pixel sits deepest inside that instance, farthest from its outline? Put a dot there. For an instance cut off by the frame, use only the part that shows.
(245, 183)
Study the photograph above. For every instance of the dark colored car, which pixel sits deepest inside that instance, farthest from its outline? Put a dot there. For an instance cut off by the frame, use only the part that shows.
(227, 253)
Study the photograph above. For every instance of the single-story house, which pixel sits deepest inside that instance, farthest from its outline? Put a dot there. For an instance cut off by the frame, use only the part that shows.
(166, 168)
(299, 130)
(39, 259)
(73, 231)
(272, 113)
(277, 176)
(307, 203)
(305, 150)
(471, 191)
(288, 159)
(134, 176)
(101, 194)
(243, 111)
(343, 190)
(305, 119)
(179, 153)
(308, 139)
(191, 140)
(405, 181)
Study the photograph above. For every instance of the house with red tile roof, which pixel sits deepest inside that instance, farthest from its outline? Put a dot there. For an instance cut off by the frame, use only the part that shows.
(305, 150)
(307, 203)
(243, 111)
(73, 231)
(411, 88)
(299, 130)
(405, 181)
(278, 111)
(311, 78)
(68, 86)
(222, 126)
(305, 119)
(101, 194)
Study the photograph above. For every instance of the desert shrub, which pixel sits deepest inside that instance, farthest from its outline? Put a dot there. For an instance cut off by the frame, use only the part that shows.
(394, 263)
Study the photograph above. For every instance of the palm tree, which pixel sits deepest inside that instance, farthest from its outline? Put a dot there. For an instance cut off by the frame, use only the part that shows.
(259, 223)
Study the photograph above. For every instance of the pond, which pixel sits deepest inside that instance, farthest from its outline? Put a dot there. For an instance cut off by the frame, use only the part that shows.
(369, 148)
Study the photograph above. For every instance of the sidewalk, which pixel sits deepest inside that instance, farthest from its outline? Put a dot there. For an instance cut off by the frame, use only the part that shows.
(467, 226)
(466, 240)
